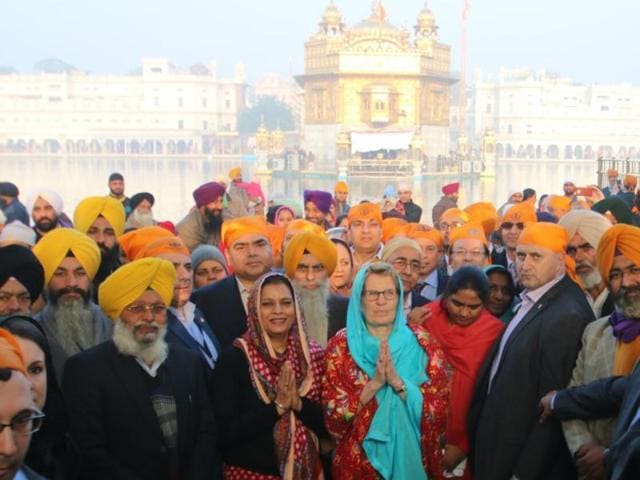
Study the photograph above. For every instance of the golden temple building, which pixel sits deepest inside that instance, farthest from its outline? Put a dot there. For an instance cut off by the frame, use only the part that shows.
(375, 91)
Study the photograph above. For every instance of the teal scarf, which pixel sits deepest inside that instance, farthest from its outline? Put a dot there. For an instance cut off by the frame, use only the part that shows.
(392, 443)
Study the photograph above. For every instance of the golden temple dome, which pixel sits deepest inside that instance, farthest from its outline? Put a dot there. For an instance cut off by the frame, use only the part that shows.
(426, 18)
(331, 15)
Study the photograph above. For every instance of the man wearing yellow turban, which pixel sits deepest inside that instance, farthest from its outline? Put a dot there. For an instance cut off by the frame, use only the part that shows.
(309, 261)
(558, 205)
(71, 320)
(513, 221)
(104, 385)
(365, 228)
(340, 195)
(538, 350)
(249, 255)
(611, 344)
(102, 219)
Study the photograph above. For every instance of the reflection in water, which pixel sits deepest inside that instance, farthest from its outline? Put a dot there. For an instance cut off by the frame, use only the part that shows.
(173, 179)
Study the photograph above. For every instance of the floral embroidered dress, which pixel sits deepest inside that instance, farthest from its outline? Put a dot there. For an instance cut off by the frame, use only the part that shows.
(349, 422)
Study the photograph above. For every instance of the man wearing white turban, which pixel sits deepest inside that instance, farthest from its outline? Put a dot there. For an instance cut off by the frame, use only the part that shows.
(585, 229)
(45, 207)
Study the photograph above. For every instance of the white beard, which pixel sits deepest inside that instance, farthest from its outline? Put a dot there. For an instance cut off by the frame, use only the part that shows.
(314, 308)
(591, 279)
(149, 352)
(144, 219)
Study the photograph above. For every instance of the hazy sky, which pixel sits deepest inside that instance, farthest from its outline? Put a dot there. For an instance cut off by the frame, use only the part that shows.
(591, 41)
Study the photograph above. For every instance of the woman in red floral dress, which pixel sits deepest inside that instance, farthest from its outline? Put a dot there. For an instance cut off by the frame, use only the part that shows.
(385, 391)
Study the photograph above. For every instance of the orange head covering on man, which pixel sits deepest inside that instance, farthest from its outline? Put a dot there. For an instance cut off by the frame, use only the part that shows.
(392, 227)
(134, 241)
(484, 213)
(620, 239)
(235, 228)
(162, 245)
(559, 205)
(523, 212)
(11, 356)
(365, 212)
(552, 237)
(417, 231)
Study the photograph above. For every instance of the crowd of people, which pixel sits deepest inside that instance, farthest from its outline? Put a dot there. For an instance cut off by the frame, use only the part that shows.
(266, 338)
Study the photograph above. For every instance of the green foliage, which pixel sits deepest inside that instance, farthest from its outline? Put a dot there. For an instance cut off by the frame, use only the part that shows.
(274, 112)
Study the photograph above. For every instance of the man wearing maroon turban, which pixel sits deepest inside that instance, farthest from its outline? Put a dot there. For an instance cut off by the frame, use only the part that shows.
(449, 200)
(203, 223)
(317, 205)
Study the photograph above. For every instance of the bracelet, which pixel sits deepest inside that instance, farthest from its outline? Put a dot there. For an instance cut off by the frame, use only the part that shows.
(401, 390)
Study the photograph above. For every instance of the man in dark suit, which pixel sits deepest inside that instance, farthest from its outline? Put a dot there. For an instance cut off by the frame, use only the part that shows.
(138, 407)
(224, 303)
(537, 350)
(186, 326)
(433, 277)
(607, 397)
(309, 261)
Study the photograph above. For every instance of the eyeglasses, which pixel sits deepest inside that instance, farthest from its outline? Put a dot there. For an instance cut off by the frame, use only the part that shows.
(471, 253)
(584, 248)
(374, 295)
(510, 225)
(22, 298)
(155, 309)
(448, 226)
(25, 422)
(402, 263)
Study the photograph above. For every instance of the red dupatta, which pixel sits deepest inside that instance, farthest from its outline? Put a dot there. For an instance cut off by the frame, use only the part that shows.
(465, 349)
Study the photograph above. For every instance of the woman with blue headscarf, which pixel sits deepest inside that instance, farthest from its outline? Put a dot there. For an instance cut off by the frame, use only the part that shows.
(385, 391)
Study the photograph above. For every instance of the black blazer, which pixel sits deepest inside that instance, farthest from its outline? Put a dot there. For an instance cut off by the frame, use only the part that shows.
(337, 307)
(179, 336)
(504, 433)
(222, 307)
(115, 426)
(499, 258)
(605, 398)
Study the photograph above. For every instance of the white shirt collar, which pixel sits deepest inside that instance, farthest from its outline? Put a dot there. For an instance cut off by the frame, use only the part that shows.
(151, 370)
(244, 294)
(186, 313)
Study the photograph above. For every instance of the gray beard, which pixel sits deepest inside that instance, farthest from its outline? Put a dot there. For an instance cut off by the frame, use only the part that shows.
(314, 308)
(144, 219)
(148, 352)
(74, 325)
(630, 309)
(592, 279)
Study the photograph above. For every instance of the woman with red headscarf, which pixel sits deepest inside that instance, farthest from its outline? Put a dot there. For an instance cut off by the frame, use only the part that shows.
(267, 391)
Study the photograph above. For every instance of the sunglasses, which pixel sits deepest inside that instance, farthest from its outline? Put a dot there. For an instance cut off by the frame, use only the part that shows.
(509, 225)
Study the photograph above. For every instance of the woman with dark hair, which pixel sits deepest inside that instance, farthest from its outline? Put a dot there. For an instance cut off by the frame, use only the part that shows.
(466, 331)
(267, 390)
(51, 453)
(342, 277)
(502, 293)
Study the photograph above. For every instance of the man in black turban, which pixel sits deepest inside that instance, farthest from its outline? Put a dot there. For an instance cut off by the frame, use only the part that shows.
(21, 280)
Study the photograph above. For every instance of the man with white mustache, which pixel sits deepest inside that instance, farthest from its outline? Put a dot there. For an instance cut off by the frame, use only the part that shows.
(585, 229)
(138, 406)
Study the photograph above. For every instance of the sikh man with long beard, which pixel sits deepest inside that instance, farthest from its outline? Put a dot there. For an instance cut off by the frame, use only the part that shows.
(610, 345)
(70, 319)
(102, 219)
(585, 229)
(309, 261)
(139, 407)
(203, 224)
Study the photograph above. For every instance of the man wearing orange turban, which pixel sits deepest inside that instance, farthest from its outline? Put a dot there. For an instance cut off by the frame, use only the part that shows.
(611, 344)
(186, 325)
(249, 255)
(365, 228)
(102, 219)
(628, 193)
(484, 213)
(449, 221)
(432, 278)
(340, 195)
(103, 385)
(516, 217)
(70, 319)
(134, 241)
(309, 261)
(16, 402)
(468, 245)
(392, 227)
(537, 352)
(614, 187)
